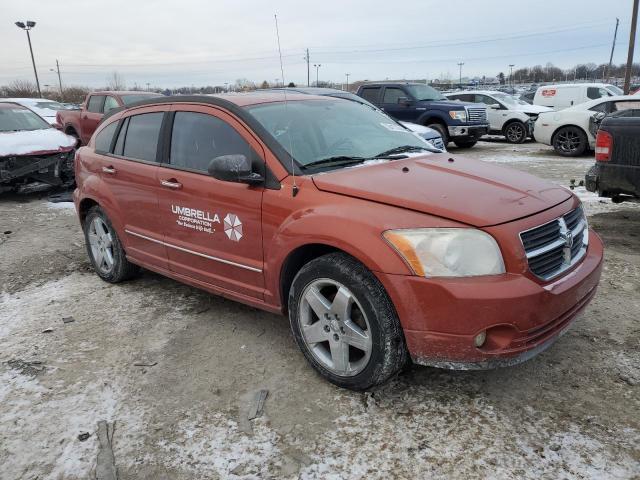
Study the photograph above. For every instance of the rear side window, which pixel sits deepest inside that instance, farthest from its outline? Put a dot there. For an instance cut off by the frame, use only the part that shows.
(105, 137)
(95, 103)
(143, 131)
(371, 94)
(198, 138)
(391, 95)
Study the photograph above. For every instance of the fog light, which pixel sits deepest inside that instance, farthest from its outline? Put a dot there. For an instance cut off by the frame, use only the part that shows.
(479, 339)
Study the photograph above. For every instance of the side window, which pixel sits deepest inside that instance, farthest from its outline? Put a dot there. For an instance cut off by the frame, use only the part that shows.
(110, 103)
(466, 98)
(627, 105)
(105, 137)
(595, 92)
(117, 150)
(95, 103)
(391, 95)
(198, 138)
(142, 135)
(601, 107)
(371, 94)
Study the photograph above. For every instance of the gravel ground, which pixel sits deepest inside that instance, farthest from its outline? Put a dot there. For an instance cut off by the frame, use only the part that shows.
(175, 369)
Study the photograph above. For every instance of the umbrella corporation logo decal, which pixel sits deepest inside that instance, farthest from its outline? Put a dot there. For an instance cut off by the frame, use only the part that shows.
(203, 221)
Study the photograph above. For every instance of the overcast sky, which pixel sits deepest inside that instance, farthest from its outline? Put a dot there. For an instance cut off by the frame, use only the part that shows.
(172, 43)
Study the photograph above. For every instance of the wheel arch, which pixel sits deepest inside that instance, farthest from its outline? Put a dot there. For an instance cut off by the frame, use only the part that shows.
(84, 206)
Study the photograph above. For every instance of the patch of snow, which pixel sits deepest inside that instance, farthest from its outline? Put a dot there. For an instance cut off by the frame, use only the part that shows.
(34, 141)
(594, 204)
(61, 206)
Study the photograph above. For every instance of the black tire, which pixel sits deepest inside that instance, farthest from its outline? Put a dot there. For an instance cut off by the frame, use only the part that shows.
(570, 141)
(466, 143)
(515, 132)
(388, 352)
(442, 130)
(122, 269)
(72, 132)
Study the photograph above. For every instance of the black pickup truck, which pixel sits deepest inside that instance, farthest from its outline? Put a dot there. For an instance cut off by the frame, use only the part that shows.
(616, 173)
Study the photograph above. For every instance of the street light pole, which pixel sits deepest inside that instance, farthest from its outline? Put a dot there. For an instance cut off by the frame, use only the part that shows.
(317, 65)
(347, 75)
(26, 27)
(460, 64)
(632, 42)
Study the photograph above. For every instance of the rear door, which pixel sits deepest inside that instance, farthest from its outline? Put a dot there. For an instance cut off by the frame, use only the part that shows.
(90, 117)
(212, 228)
(371, 94)
(129, 172)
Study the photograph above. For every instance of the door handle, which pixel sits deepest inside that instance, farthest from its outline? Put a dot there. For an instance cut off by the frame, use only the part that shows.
(171, 183)
(110, 170)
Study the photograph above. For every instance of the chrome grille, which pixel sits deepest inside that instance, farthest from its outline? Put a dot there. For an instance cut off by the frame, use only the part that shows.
(555, 246)
(477, 114)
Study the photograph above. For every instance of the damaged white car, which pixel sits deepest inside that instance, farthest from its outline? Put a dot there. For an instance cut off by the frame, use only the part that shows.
(32, 151)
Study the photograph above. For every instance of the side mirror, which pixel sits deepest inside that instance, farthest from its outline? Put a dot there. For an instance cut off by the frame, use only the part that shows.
(234, 168)
(494, 106)
(406, 101)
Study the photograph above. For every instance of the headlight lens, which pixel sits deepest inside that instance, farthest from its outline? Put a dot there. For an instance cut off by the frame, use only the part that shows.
(458, 115)
(447, 252)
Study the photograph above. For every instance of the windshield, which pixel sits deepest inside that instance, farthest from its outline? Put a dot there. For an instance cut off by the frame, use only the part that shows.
(321, 129)
(509, 99)
(129, 99)
(49, 105)
(615, 90)
(425, 92)
(16, 118)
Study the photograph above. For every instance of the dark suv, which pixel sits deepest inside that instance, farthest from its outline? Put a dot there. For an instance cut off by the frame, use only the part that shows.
(458, 122)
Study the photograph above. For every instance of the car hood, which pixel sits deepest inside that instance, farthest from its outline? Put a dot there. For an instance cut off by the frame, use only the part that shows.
(532, 109)
(35, 142)
(446, 104)
(465, 190)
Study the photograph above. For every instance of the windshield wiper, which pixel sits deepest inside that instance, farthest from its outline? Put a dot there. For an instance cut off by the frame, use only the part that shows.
(336, 161)
(401, 149)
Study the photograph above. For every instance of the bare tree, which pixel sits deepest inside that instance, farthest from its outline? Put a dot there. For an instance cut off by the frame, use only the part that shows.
(115, 82)
(21, 89)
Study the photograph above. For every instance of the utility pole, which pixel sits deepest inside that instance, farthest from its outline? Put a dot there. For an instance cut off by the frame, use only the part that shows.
(613, 47)
(347, 75)
(317, 68)
(26, 27)
(632, 42)
(511, 65)
(59, 79)
(460, 65)
(148, 86)
(307, 59)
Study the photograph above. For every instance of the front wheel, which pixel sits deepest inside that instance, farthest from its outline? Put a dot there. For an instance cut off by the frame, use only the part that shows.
(570, 141)
(515, 132)
(345, 324)
(104, 248)
(466, 143)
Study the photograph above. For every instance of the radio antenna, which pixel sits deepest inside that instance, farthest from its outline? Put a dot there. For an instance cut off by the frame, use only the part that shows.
(294, 189)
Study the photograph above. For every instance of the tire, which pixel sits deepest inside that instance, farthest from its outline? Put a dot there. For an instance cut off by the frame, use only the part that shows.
(104, 248)
(515, 132)
(570, 141)
(442, 130)
(466, 143)
(72, 132)
(336, 302)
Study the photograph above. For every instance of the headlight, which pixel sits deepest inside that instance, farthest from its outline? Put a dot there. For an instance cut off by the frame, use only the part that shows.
(447, 252)
(458, 115)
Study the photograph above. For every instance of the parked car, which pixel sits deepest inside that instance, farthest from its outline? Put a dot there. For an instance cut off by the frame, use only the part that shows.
(568, 95)
(616, 173)
(82, 123)
(568, 130)
(378, 248)
(47, 109)
(429, 134)
(31, 150)
(461, 123)
(507, 115)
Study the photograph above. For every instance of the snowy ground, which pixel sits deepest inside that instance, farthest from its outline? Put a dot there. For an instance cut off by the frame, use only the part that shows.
(175, 369)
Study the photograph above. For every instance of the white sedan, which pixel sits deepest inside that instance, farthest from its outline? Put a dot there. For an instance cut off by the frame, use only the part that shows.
(45, 108)
(568, 130)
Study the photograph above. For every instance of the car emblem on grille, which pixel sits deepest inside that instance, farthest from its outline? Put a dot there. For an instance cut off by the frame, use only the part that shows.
(568, 238)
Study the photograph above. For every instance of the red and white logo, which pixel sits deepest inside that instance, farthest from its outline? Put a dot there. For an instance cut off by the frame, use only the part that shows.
(549, 92)
(233, 227)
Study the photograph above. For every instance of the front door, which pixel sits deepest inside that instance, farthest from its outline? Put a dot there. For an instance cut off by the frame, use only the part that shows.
(130, 174)
(212, 228)
(495, 116)
(400, 111)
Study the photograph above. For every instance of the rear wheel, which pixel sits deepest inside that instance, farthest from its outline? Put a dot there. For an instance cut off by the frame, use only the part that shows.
(570, 141)
(104, 248)
(465, 143)
(345, 324)
(441, 129)
(515, 132)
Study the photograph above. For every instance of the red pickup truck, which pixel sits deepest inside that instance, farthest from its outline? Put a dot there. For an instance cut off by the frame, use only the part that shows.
(82, 123)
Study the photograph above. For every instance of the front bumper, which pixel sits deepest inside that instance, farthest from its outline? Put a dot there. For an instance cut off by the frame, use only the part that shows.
(520, 315)
(467, 131)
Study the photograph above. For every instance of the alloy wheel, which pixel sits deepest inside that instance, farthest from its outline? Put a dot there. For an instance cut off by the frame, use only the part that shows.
(515, 133)
(101, 243)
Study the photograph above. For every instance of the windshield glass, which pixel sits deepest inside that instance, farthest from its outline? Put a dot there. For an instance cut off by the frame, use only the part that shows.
(49, 105)
(320, 129)
(15, 118)
(425, 92)
(509, 99)
(615, 90)
(129, 99)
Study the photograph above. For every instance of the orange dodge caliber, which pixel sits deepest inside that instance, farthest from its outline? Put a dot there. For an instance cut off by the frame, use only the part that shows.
(379, 247)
